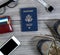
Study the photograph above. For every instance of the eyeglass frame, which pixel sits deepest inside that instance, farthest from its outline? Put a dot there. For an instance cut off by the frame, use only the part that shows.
(6, 4)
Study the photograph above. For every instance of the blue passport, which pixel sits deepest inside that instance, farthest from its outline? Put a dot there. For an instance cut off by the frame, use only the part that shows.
(28, 19)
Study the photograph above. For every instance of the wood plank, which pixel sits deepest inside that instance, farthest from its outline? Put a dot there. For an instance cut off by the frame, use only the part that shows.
(29, 41)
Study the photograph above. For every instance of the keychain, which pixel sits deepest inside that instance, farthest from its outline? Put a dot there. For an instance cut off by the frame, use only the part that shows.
(10, 4)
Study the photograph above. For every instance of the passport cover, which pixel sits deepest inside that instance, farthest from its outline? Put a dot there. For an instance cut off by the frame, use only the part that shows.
(28, 19)
(5, 24)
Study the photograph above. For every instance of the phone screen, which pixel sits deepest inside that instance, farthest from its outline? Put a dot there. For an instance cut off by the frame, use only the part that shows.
(8, 47)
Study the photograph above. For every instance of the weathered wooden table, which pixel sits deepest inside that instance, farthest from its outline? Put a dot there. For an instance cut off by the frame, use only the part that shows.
(28, 46)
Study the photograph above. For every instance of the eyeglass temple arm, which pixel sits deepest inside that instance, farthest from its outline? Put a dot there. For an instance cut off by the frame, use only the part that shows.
(5, 4)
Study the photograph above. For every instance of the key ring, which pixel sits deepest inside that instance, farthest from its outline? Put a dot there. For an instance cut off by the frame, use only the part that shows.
(8, 4)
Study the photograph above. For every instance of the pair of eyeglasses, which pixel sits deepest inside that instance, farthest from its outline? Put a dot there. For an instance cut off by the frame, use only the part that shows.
(9, 3)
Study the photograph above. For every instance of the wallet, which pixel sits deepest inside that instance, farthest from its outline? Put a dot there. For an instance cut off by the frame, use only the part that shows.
(5, 24)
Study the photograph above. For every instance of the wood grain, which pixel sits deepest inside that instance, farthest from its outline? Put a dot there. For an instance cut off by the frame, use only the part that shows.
(27, 44)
